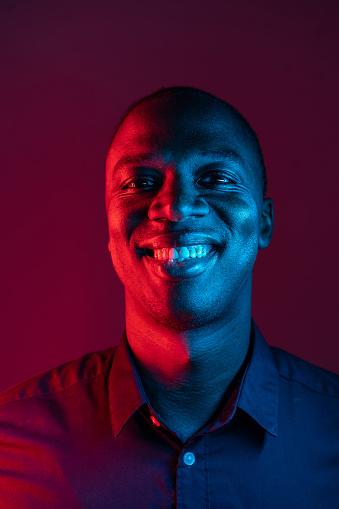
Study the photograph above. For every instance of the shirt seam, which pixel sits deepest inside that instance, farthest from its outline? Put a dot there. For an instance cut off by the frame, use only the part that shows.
(50, 393)
(336, 396)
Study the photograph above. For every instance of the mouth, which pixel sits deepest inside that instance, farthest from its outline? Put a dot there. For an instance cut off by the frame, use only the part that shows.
(179, 254)
(176, 263)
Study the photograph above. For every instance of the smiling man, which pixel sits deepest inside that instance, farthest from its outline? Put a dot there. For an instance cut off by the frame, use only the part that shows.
(193, 409)
(186, 216)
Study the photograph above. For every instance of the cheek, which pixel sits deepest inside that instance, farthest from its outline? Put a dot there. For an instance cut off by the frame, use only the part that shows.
(248, 224)
(242, 216)
(119, 236)
(123, 221)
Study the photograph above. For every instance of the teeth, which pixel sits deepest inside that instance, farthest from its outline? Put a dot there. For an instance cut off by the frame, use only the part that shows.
(179, 254)
(184, 252)
(173, 254)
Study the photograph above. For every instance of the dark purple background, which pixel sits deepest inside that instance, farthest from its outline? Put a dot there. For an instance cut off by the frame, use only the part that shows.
(69, 69)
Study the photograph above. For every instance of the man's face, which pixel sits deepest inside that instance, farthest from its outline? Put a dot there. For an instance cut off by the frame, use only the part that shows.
(183, 181)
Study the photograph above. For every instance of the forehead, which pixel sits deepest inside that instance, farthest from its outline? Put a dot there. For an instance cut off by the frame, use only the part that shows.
(173, 128)
(168, 120)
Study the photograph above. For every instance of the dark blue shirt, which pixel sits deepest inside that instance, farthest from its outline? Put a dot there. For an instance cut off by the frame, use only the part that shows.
(84, 436)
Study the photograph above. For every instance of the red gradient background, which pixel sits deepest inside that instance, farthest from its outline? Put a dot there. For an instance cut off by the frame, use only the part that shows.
(69, 69)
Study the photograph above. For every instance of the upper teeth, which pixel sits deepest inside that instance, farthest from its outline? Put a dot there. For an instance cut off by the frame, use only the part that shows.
(179, 254)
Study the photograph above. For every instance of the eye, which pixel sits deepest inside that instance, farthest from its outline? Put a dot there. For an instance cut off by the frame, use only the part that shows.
(216, 178)
(138, 184)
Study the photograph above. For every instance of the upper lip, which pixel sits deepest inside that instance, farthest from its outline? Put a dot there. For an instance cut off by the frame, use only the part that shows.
(178, 240)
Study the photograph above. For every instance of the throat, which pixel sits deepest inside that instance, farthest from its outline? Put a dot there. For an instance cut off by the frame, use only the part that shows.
(186, 374)
(186, 414)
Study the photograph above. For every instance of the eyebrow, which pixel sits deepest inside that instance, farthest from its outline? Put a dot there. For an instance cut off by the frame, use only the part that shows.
(229, 155)
(223, 154)
(138, 159)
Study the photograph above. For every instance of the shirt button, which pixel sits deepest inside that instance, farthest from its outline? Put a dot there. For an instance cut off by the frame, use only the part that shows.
(189, 458)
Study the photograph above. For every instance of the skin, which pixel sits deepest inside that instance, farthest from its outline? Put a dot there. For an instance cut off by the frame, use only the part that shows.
(189, 336)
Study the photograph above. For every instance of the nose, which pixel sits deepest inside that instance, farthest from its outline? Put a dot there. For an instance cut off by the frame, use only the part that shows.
(177, 202)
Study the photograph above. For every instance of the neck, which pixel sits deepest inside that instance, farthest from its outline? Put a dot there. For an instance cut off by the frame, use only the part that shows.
(186, 373)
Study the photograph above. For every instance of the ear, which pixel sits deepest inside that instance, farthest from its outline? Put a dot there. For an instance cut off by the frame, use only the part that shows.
(267, 222)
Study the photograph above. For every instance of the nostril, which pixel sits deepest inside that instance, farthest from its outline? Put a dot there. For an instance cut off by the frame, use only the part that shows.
(177, 209)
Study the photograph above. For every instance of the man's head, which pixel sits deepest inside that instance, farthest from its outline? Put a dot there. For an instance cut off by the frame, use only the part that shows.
(195, 95)
(184, 170)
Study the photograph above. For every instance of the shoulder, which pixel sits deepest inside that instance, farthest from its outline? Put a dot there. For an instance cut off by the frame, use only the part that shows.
(295, 370)
(73, 373)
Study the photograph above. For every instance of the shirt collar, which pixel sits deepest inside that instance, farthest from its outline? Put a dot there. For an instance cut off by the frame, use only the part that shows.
(260, 385)
(258, 395)
(126, 393)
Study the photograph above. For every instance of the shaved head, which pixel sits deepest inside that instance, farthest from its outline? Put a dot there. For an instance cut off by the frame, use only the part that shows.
(193, 98)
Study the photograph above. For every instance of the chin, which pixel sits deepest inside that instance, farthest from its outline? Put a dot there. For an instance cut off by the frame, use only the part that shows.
(184, 317)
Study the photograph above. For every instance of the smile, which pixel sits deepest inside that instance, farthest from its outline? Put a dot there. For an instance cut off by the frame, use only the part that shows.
(180, 254)
(175, 264)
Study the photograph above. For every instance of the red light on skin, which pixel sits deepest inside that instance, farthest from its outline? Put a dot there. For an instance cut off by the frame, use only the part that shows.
(160, 358)
(155, 421)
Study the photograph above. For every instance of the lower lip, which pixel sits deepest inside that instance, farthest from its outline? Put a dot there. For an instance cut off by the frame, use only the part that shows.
(180, 270)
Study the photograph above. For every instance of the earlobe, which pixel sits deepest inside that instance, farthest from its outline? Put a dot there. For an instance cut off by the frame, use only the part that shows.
(267, 222)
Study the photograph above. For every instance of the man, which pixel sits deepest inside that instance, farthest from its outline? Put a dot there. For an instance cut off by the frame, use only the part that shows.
(193, 408)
